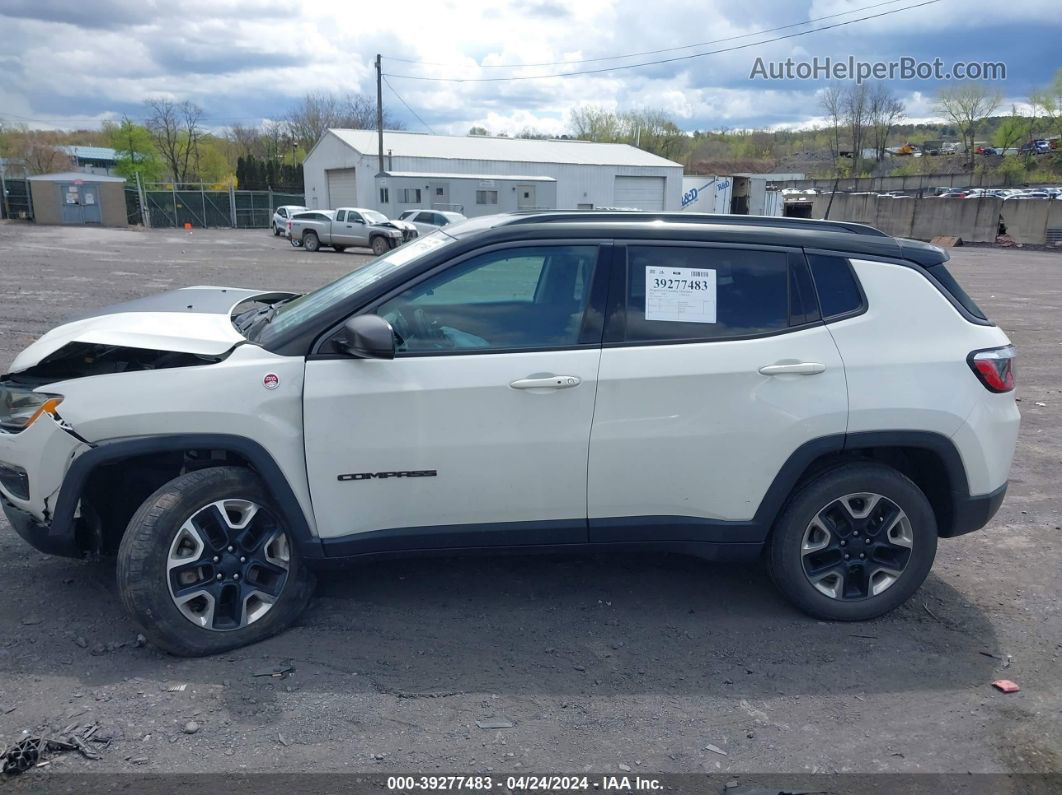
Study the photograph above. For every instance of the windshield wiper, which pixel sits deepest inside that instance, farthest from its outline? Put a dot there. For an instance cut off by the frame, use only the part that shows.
(248, 323)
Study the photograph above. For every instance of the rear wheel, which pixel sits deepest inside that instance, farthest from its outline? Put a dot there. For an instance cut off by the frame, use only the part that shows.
(311, 242)
(207, 564)
(379, 245)
(276, 230)
(853, 543)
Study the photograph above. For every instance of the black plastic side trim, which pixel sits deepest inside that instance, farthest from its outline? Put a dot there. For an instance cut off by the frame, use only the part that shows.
(501, 534)
(973, 513)
(63, 524)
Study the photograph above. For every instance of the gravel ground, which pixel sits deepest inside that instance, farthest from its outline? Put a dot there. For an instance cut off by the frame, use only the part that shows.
(596, 661)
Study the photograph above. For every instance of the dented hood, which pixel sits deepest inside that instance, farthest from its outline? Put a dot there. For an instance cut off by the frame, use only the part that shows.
(194, 320)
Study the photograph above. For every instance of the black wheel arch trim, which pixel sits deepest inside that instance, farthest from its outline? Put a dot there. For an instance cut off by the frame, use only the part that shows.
(63, 524)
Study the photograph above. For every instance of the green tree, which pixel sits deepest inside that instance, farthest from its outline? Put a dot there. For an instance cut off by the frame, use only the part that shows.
(1048, 101)
(1012, 131)
(135, 151)
(966, 107)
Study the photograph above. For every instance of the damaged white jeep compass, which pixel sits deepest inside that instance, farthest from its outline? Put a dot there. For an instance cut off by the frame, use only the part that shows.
(815, 392)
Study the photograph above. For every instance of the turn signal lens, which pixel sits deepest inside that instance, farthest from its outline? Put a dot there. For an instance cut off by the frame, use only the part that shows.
(20, 408)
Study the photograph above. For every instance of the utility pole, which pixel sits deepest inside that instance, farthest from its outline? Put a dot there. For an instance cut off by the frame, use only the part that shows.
(379, 110)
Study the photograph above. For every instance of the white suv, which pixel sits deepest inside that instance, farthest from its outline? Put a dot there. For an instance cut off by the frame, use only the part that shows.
(722, 385)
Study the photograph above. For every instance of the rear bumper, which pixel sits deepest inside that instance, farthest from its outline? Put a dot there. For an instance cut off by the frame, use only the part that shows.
(47, 538)
(973, 513)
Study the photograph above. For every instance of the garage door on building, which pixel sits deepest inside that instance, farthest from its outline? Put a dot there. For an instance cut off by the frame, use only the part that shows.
(642, 193)
(341, 188)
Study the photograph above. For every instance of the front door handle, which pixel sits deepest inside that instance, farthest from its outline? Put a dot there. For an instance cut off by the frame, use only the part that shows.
(547, 382)
(793, 368)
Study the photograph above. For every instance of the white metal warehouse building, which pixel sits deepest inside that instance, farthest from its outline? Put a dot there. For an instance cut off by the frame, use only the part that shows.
(480, 175)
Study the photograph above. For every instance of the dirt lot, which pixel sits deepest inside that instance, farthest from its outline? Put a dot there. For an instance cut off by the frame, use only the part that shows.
(597, 661)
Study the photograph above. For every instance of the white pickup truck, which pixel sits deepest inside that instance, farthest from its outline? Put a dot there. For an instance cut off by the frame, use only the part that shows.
(346, 228)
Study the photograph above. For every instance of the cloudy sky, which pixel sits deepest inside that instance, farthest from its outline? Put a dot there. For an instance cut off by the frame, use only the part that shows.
(69, 63)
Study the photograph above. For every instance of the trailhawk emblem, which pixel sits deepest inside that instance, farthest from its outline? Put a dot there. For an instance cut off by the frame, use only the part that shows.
(409, 473)
(271, 381)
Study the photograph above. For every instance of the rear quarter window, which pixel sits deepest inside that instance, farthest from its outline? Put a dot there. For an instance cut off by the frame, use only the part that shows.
(948, 282)
(836, 285)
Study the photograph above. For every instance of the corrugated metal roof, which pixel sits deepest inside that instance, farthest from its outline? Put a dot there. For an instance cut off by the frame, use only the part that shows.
(91, 152)
(72, 176)
(437, 175)
(521, 150)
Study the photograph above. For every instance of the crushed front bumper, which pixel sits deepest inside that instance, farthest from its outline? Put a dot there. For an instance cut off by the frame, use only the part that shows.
(41, 536)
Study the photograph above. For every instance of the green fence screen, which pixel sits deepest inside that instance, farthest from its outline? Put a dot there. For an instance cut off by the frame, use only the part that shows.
(243, 209)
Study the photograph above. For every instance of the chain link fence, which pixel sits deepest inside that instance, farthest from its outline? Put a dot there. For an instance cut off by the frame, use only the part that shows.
(160, 207)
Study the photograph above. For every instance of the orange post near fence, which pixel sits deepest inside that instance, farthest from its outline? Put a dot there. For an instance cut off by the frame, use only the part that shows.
(188, 227)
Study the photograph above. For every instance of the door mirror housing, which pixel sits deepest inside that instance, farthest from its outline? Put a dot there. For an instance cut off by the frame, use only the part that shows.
(366, 337)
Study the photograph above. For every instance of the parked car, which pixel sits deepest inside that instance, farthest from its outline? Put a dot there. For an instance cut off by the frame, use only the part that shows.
(1041, 146)
(427, 221)
(281, 215)
(345, 228)
(723, 385)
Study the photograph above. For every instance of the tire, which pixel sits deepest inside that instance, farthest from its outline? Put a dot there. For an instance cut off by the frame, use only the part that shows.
(311, 242)
(379, 245)
(825, 520)
(181, 607)
(339, 249)
(276, 231)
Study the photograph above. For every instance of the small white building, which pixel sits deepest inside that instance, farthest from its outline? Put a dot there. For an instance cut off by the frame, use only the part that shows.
(480, 175)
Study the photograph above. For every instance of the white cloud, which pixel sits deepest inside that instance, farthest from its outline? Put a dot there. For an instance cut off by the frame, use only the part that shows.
(244, 60)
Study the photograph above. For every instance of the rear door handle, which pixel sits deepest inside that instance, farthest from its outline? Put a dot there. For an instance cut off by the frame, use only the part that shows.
(547, 382)
(794, 368)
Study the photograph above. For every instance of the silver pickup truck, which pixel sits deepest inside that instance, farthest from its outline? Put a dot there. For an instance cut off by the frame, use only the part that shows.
(346, 228)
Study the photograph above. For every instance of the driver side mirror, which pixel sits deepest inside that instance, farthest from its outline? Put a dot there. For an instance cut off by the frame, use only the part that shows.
(366, 337)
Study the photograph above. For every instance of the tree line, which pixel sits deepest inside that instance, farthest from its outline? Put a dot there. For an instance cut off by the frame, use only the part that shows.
(172, 143)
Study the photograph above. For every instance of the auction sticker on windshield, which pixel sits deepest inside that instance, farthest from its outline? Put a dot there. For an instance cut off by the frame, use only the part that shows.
(681, 295)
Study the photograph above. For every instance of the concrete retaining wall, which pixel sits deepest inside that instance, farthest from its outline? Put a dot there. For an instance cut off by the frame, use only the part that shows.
(918, 182)
(974, 220)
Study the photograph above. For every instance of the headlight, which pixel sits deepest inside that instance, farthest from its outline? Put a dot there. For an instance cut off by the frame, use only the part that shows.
(20, 408)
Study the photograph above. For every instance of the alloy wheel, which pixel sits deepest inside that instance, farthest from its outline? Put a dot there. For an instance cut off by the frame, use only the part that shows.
(857, 546)
(228, 564)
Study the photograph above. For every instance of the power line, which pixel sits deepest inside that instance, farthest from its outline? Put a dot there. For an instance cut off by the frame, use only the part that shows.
(648, 52)
(407, 105)
(661, 60)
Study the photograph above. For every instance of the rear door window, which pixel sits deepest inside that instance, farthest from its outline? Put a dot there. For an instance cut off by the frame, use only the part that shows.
(678, 293)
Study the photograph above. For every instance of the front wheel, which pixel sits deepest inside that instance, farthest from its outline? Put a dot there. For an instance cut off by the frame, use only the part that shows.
(379, 246)
(853, 543)
(207, 564)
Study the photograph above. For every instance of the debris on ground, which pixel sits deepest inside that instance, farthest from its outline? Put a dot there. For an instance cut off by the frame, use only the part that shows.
(191, 727)
(931, 613)
(1005, 686)
(715, 749)
(494, 723)
(32, 751)
(278, 672)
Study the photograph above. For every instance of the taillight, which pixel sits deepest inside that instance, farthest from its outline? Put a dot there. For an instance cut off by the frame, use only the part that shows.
(994, 367)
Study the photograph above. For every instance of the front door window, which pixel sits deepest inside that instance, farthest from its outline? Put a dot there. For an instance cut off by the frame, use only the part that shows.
(515, 298)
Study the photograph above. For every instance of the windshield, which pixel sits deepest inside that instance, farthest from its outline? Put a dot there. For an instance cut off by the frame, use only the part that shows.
(305, 307)
(374, 217)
